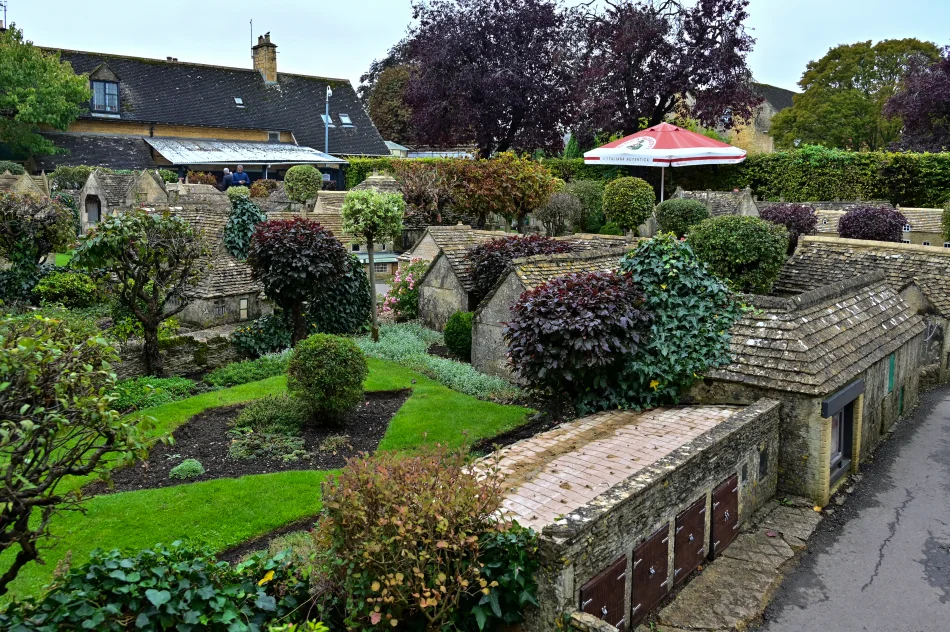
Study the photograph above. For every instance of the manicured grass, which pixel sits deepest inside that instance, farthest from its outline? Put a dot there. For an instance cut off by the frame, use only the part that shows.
(226, 512)
(63, 259)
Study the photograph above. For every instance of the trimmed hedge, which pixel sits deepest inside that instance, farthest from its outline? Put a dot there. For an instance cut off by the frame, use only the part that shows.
(745, 252)
(628, 202)
(678, 215)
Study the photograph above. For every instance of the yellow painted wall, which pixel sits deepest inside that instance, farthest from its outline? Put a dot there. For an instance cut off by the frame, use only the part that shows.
(134, 128)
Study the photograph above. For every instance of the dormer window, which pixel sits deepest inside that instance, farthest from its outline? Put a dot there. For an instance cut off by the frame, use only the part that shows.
(105, 97)
(345, 119)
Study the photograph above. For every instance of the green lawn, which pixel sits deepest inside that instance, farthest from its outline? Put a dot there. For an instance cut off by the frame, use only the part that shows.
(63, 259)
(225, 512)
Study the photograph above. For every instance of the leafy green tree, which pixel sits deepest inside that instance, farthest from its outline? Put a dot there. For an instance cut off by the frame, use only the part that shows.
(36, 89)
(56, 421)
(387, 105)
(573, 150)
(375, 216)
(31, 228)
(508, 185)
(845, 93)
(152, 262)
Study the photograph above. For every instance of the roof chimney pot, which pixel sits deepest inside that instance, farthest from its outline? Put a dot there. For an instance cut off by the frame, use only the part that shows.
(265, 58)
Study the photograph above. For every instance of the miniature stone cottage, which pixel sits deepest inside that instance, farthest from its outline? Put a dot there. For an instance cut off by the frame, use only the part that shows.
(25, 183)
(106, 194)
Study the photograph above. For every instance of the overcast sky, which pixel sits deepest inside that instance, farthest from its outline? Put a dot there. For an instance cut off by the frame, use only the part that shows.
(339, 38)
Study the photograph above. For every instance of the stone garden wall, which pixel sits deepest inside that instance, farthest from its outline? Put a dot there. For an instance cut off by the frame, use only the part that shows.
(188, 354)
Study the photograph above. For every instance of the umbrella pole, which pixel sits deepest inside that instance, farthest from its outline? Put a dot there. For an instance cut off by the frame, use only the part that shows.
(662, 183)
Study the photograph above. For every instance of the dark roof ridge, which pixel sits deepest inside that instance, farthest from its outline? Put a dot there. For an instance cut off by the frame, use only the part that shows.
(867, 243)
(181, 63)
(582, 255)
(821, 294)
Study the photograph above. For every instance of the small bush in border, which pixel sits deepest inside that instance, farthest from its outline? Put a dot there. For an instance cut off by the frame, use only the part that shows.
(145, 392)
(263, 188)
(677, 215)
(201, 177)
(327, 372)
(189, 468)
(745, 252)
(873, 223)
(458, 334)
(628, 202)
(237, 192)
(274, 413)
(73, 290)
(798, 220)
(402, 300)
(249, 370)
(611, 229)
(303, 182)
(569, 337)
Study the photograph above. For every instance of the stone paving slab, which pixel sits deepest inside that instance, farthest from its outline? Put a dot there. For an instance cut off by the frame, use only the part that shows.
(795, 524)
(759, 547)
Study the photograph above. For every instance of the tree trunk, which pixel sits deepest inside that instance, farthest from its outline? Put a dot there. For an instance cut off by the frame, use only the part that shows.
(299, 325)
(152, 353)
(372, 290)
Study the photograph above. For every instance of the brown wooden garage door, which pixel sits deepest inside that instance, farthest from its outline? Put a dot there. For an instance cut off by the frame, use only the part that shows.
(725, 516)
(603, 596)
(689, 544)
(651, 565)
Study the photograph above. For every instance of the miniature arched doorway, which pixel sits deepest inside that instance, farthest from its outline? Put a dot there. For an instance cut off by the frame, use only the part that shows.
(93, 210)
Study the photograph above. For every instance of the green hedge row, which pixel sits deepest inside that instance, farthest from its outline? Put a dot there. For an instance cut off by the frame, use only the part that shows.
(808, 174)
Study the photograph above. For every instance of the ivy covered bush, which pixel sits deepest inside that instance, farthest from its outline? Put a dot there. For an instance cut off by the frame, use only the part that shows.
(263, 188)
(798, 220)
(244, 217)
(692, 313)
(873, 223)
(267, 334)
(167, 588)
(70, 289)
(465, 571)
(68, 200)
(343, 307)
(303, 182)
(677, 215)
(402, 300)
(628, 202)
(745, 252)
(327, 373)
(569, 337)
(458, 334)
(489, 260)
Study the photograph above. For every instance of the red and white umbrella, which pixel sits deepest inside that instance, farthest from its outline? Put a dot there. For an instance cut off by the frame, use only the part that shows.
(663, 146)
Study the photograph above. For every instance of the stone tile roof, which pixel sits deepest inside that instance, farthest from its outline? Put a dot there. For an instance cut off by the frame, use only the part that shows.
(115, 187)
(38, 185)
(114, 152)
(383, 183)
(819, 261)
(454, 243)
(582, 242)
(559, 471)
(924, 220)
(818, 342)
(183, 93)
(828, 221)
(208, 209)
(538, 269)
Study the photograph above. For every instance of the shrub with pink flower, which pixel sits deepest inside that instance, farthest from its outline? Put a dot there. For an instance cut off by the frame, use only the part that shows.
(402, 300)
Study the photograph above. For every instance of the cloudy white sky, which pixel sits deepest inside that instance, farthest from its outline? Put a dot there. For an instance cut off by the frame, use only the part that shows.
(339, 38)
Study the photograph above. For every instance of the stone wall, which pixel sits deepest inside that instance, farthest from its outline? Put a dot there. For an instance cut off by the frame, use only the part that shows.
(440, 295)
(573, 554)
(489, 351)
(187, 354)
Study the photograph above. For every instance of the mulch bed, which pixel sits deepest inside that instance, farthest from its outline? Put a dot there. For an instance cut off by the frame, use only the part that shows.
(205, 438)
(442, 351)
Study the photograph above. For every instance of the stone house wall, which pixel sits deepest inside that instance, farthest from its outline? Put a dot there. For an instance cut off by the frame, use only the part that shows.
(425, 249)
(440, 295)
(187, 354)
(489, 351)
(212, 312)
(806, 435)
(571, 555)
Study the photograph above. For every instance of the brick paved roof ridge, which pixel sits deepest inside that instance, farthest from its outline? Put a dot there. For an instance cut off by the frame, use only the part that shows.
(819, 341)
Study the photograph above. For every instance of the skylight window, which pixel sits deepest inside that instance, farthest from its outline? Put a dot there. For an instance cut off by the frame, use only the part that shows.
(327, 120)
(345, 119)
(238, 101)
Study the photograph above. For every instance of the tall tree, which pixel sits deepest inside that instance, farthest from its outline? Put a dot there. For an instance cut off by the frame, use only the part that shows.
(646, 59)
(152, 262)
(923, 105)
(494, 74)
(396, 56)
(844, 94)
(36, 88)
(387, 105)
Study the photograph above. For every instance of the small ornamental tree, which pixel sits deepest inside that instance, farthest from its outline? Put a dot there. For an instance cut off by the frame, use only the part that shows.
(745, 252)
(872, 223)
(245, 215)
(263, 188)
(591, 195)
(375, 216)
(31, 228)
(152, 261)
(798, 220)
(571, 336)
(628, 202)
(508, 185)
(293, 259)
(489, 260)
(427, 187)
(677, 215)
(303, 182)
(56, 421)
(327, 373)
(692, 311)
(561, 211)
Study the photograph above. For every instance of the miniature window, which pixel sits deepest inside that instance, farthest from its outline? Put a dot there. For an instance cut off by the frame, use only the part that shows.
(327, 120)
(355, 247)
(219, 309)
(105, 97)
(243, 306)
(346, 120)
(824, 221)
(381, 267)
(926, 243)
(238, 101)
(946, 244)
(273, 137)
(907, 228)
(905, 241)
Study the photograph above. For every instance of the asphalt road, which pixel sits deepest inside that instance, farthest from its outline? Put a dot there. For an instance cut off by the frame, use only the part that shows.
(881, 561)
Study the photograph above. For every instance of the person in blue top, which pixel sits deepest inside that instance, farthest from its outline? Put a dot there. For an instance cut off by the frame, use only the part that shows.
(240, 178)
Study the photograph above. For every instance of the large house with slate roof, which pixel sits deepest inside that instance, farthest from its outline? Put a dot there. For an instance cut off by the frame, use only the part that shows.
(149, 113)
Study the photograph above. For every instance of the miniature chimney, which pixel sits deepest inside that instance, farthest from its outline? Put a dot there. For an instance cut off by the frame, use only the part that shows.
(265, 58)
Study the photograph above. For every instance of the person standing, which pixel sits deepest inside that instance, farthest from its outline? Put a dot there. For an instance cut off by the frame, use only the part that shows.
(240, 178)
(228, 179)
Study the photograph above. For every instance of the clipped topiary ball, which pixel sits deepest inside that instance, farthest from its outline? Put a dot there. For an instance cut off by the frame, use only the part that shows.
(189, 468)
(628, 202)
(303, 182)
(873, 223)
(327, 372)
(458, 334)
(745, 252)
(798, 220)
(678, 215)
